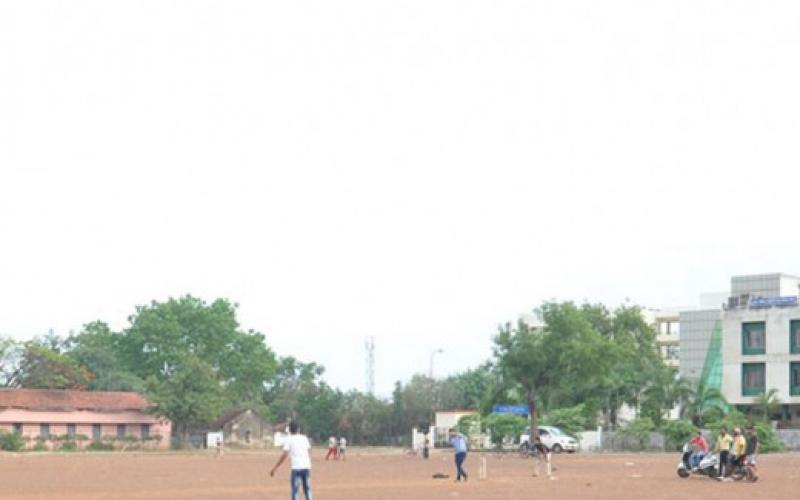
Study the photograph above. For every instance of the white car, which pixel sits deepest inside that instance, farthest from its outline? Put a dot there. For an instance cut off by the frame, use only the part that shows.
(552, 437)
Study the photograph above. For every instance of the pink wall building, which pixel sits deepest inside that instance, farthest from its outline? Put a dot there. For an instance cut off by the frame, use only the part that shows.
(53, 416)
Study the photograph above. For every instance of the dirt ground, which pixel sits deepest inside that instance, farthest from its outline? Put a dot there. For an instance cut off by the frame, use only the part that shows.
(374, 474)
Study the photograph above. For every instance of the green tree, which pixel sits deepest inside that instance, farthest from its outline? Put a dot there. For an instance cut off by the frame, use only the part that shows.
(96, 349)
(398, 427)
(639, 372)
(11, 441)
(567, 354)
(318, 410)
(365, 418)
(420, 401)
(44, 368)
(190, 397)
(163, 336)
(677, 433)
(293, 382)
(10, 354)
(572, 420)
(466, 390)
(662, 393)
(705, 404)
(505, 427)
(469, 425)
(640, 429)
(768, 404)
(247, 367)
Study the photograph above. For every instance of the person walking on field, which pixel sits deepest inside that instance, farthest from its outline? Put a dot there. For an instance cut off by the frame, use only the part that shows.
(426, 446)
(297, 447)
(343, 448)
(543, 454)
(459, 443)
(331, 448)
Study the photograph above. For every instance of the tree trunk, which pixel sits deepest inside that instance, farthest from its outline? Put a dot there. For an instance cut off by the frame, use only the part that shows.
(534, 417)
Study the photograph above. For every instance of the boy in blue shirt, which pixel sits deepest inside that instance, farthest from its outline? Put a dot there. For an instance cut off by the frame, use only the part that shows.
(459, 443)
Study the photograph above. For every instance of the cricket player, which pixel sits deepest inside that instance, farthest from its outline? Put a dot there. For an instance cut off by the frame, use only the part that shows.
(543, 454)
(296, 446)
(459, 443)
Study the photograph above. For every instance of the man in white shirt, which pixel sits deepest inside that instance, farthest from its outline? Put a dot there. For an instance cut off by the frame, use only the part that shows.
(342, 448)
(297, 447)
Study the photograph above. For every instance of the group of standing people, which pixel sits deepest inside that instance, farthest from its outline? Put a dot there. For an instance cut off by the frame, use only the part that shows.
(735, 450)
(337, 448)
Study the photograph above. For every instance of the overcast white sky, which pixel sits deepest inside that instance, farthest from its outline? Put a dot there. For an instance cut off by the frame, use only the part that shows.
(417, 171)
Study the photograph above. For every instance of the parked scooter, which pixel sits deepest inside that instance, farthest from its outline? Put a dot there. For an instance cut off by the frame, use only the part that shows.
(693, 464)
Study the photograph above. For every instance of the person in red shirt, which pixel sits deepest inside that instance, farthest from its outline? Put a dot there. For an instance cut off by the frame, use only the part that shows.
(700, 446)
(699, 443)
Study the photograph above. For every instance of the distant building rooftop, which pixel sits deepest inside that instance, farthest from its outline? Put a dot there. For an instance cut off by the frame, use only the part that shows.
(69, 400)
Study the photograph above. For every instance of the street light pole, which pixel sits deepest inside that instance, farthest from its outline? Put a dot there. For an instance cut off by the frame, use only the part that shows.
(434, 353)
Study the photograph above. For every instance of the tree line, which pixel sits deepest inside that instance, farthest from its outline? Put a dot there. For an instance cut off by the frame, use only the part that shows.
(193, 360)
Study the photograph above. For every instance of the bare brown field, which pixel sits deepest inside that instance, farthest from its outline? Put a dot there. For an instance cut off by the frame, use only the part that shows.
(374, 474)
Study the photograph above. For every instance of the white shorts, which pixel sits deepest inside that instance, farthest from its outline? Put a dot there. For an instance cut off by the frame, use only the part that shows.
(751, 459)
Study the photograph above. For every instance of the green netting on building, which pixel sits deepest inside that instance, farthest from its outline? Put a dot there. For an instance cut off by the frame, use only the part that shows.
(712, 368)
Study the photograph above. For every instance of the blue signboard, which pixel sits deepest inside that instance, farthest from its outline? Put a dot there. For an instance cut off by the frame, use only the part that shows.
(765, 302)
(515, 410)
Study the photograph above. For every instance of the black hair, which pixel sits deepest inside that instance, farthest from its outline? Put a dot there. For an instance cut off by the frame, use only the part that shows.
(293, 427)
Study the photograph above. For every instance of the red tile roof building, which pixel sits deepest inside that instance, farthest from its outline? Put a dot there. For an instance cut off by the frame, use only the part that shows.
(53, 417)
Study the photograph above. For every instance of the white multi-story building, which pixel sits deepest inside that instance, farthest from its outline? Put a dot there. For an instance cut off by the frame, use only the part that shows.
(750, 345)
(668, 329)
(761, 341)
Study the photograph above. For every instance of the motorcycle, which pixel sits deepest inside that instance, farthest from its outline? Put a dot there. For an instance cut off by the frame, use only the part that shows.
(708, 465)
(693, 464)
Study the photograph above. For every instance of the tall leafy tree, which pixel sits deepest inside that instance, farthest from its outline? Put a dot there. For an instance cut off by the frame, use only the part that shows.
(96, 348)
(191, 396)
(567, 354)
(294, 381)
(638, 370)
(43, 368)
(420, 399)
(164, 335)
(364, 418)
(10, 354)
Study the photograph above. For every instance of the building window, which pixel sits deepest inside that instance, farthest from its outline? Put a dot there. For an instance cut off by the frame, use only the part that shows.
(18, 428)
(44, 431)
(97, 432)
(71, 431)
(794, 331)
(145, 432)
(753, 379)
(754, 338)
(794, 379)
(120, 430)
(673, 352)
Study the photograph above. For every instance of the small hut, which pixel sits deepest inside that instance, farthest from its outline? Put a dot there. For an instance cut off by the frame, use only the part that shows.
(243, 428)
